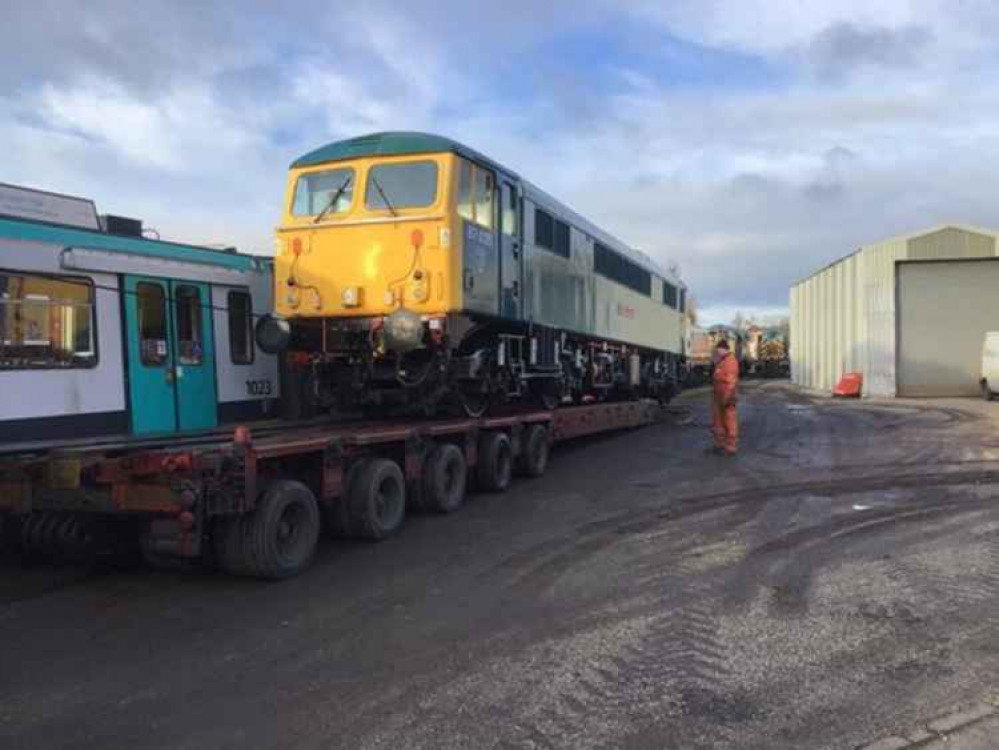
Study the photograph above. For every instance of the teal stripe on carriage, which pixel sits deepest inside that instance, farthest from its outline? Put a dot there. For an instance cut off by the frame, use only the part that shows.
(83, 238)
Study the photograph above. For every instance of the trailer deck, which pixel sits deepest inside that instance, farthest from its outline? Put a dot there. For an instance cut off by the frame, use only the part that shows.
(255, 498)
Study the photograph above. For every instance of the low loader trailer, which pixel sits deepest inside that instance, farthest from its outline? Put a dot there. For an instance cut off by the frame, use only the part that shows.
(254, 501)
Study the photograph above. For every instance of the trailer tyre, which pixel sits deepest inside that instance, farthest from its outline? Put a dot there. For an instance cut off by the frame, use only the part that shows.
(280, 537)
(495, 464)
(533, 458)
(444, 479)
(377, 499)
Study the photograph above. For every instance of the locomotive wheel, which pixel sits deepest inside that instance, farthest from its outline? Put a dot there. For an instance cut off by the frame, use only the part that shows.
(533, 459)
(444, 479)
(474, 399)
(282, 533)
(495, 464)
(376, 499)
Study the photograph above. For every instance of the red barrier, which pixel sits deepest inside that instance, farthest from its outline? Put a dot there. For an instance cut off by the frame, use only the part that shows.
(850, 385)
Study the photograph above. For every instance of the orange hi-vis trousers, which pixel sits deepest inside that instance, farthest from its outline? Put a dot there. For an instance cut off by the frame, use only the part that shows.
(724, 419)
(725, 426)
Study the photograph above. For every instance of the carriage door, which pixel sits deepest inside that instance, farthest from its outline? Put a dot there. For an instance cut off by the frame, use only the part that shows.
(171, 362)
(194, 356)
(511, 251)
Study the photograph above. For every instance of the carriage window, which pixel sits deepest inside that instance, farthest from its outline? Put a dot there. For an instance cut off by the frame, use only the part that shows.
(314, 192)
(408, 185)
(151, 302)
(190, 348)
(240, 328)
(46, 322)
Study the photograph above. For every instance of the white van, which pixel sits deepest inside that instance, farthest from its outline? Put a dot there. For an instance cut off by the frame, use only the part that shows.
(990, 365)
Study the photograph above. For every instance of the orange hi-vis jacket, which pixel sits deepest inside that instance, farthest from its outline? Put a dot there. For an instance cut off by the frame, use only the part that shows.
(726, 380)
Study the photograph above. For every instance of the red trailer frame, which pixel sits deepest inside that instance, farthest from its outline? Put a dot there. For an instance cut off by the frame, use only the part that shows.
(254, 497)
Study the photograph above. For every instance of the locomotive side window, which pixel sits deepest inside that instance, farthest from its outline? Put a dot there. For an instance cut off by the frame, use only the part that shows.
(152, 324)
(314, 192)
(669, 295)
(240, 328)
(562, 245)
(46, 322)
(544, 229)
(551, 234)
(509, 210)
(624, 271)
(683, 300)
(408, 185)
(475, 194)
(190, 348)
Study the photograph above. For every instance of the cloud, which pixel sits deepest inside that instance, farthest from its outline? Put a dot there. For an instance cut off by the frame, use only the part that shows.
(749, 141)
(843, 46)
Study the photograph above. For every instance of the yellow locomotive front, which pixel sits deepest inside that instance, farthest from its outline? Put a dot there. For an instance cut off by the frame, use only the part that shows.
(364, 237)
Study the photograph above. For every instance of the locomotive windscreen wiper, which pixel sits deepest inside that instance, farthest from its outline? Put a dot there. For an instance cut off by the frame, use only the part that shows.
(333, 200)
(378, 187)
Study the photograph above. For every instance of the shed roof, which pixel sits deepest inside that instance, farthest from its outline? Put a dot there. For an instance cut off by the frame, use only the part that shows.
(901, 238)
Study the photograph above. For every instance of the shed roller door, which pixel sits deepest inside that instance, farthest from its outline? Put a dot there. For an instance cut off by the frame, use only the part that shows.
(944, 310)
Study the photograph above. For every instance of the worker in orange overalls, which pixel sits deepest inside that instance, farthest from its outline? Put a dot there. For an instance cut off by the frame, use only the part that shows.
(724, 420)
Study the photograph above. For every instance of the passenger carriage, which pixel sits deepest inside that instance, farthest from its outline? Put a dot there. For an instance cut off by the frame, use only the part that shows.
(104, 332)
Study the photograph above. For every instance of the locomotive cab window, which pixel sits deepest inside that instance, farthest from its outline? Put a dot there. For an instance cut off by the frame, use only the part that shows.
(240, 310)
(407, 185)
(510, 222)
(330, 191)
(46, 322)
(476, 188)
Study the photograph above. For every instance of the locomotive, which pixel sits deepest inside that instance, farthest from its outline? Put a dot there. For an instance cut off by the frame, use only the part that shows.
(412, 271)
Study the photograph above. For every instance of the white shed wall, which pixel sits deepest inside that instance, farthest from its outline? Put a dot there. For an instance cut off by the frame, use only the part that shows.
(843, 318)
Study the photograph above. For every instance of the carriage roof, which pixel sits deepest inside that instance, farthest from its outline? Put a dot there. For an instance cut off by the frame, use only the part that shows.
(89, 239)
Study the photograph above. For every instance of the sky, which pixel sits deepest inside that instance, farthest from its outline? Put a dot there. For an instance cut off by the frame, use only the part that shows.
(748, 142)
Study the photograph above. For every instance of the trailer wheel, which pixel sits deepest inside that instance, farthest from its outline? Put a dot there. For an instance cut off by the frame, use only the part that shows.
(533, 459)
(444, 479)
(377, 499)
(281, 535)
(495, 462)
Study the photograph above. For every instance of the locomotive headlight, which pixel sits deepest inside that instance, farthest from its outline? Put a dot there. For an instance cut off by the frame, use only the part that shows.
(351, 296)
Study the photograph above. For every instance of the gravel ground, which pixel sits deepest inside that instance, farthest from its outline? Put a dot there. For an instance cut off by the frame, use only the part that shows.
(835, 583)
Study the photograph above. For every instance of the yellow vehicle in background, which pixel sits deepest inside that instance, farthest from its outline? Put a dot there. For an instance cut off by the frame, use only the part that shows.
(412, 270)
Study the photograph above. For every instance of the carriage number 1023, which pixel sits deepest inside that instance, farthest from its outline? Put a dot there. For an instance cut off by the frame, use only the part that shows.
(258, 388)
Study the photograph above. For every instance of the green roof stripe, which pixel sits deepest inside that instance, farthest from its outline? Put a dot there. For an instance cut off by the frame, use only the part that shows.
(82, 238)
(390, 144)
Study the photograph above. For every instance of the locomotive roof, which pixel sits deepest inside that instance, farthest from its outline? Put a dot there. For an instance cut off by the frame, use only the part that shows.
(402, 143)
(398, 143)
(90, 239)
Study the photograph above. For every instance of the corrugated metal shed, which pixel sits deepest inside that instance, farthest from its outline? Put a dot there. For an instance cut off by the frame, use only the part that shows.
(843, 317)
